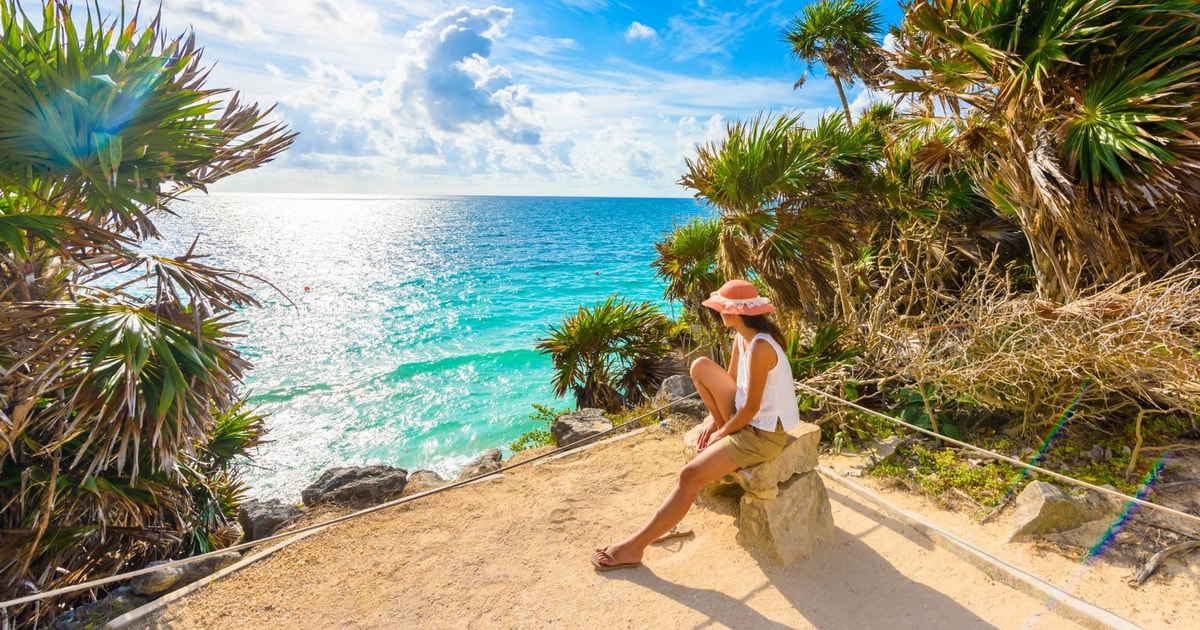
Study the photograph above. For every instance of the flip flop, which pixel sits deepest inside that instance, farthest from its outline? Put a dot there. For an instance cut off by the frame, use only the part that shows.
(679, 531)
(602, 554)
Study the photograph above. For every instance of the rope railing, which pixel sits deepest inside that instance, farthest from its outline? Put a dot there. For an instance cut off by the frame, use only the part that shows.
(326, 524)
(1016, 462)
(574, 445)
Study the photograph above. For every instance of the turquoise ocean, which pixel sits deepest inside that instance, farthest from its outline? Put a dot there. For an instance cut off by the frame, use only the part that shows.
(407, 333)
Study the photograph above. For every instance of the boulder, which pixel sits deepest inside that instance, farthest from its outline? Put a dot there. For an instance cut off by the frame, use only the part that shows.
(175, 577)
(883, 449)
(356, 486)
(677, 389)
(799, 456)
(789, 527)
(1043, 509)
(689, 409)
(1086, 536)
(490, 461)
(259, 519)
(573, 427)
(674, 388)
(423, 481)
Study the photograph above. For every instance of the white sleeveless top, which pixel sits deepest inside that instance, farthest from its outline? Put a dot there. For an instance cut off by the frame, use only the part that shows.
(779, 393)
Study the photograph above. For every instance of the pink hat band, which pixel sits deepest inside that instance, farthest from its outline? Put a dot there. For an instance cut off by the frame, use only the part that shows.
(738, 297)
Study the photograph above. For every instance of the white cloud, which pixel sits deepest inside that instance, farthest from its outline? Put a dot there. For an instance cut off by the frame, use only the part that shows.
(637, 30)
(457, 104)
(591, 6)
(444, 106)
(890, 43)
(544, 46)
(709, 31)
(238, 24)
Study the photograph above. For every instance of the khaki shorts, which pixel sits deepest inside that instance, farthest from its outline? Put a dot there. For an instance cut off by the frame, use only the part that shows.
(750, 445)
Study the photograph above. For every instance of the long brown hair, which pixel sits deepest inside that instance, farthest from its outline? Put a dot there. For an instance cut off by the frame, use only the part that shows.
(763, 324)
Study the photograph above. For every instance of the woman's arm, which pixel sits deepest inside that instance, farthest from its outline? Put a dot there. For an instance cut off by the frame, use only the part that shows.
(762, 359)
(734, 355)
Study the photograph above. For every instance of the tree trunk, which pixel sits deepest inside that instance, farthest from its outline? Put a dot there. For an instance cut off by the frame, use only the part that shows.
(845, 103)
(843, 283)
(1050, 264)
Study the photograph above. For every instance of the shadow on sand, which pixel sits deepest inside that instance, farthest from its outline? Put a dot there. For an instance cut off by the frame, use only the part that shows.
(844, 585)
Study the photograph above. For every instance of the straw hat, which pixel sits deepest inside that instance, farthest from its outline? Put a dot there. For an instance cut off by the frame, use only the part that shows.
(738, 297)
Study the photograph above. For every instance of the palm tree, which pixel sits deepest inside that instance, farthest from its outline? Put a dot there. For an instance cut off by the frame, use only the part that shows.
(840, 35)
(610, 356)
(934, 228)
(786, 206)
(1076, 118)
(120, 416)
(687, 261)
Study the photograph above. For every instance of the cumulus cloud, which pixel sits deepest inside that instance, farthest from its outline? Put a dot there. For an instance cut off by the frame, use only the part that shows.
(637, 30)
(448, 74)
(444, 105)
(448, 107)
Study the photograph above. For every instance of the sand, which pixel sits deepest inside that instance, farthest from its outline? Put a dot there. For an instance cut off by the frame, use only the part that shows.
(513, 553)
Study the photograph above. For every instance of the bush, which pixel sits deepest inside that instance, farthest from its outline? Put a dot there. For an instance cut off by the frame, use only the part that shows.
(121, 422)
(542, 415)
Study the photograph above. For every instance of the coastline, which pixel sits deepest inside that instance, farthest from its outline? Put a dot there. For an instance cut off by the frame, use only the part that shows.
(415, 347)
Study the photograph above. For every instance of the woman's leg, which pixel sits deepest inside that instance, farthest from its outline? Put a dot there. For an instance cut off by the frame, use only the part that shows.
(717, 389)
(710, 465)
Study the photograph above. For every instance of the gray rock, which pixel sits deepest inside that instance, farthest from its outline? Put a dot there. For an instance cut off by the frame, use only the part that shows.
(175, 577)
(1100, 453)
(1086, 536)
(1043, 509)
(789, 527)
(422, 481)
(98, 613)
(356, 486)
(573, 427)
(259, 519)
(490, 461)
(689, 409)
(883, 449)
(673, 388)
(1103, 502)
(677, 389)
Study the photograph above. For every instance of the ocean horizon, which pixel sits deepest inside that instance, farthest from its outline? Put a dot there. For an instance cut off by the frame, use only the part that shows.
(403, 328)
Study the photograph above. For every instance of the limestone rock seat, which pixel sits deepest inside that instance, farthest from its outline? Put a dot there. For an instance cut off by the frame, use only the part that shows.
(784, 511)
(798, 457)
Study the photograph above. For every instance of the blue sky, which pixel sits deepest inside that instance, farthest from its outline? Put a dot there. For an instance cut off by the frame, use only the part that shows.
(548, 97)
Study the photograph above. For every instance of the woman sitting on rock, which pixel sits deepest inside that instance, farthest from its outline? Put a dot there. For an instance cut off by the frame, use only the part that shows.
(751, 405)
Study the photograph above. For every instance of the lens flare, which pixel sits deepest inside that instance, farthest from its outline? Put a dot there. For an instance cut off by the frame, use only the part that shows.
(1143, 490)
(1110, 534)
(1062, 421)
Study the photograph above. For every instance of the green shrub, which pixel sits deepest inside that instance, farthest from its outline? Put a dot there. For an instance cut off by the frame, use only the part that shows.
(543, 415)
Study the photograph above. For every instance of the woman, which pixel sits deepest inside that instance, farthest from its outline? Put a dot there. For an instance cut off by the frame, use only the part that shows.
(752, 406)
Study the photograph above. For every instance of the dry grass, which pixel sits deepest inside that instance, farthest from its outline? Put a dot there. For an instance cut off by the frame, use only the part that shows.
(1124, 349)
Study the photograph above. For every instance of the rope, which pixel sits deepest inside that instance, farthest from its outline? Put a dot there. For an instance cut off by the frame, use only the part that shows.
(1015, 462)
(458, 484)
(326, 524)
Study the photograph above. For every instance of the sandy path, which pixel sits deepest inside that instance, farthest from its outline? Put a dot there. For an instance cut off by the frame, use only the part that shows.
(1171, 598)
(513, 553)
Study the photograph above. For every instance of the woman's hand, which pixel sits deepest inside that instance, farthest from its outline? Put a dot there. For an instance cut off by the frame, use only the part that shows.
(708, 435)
